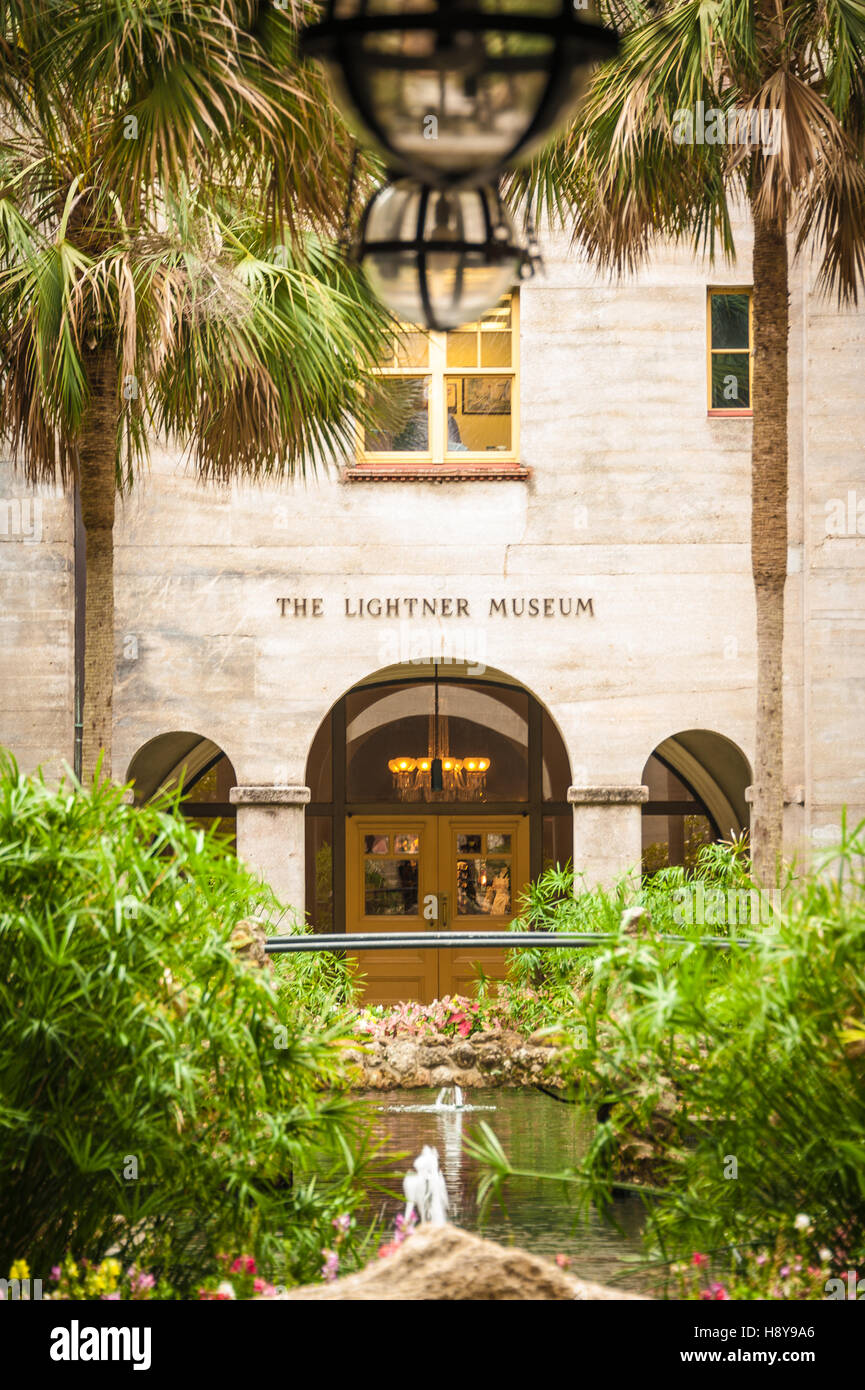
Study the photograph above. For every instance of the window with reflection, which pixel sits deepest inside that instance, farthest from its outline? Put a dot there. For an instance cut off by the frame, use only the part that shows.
(731, 348)
(484, 874)
(390, 875)
(675, 824)
(440, 396)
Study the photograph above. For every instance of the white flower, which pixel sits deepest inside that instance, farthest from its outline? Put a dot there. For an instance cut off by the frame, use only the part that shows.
(825, 1255)
(226, 1289)
(802, 1222)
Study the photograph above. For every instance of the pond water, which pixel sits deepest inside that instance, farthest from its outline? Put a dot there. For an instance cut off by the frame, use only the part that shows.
(537, 1133)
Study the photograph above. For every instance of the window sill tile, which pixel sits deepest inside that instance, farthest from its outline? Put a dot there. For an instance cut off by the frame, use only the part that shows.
(436, 473)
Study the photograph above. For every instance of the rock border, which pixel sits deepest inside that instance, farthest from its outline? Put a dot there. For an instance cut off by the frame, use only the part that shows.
(496, 1057)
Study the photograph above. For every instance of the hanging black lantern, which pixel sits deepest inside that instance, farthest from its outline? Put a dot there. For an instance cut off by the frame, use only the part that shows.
(452, 91)
(439, 257)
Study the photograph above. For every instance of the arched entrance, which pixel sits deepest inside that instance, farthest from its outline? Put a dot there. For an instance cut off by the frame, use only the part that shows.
(198, 765)
(697, 781)
(436, 797)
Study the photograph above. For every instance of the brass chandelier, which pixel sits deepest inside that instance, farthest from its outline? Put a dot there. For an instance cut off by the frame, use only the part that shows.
(437, 775)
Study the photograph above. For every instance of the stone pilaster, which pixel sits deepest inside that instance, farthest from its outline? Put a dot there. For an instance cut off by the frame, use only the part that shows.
(271, 838)
(607, 831)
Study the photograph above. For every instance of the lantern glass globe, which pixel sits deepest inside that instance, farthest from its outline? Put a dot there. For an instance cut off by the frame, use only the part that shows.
(454, 90)
(439, 258)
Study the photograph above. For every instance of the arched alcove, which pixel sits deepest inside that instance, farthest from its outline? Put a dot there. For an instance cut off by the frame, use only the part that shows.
(697, 781)
(409, 713)
(195, 763)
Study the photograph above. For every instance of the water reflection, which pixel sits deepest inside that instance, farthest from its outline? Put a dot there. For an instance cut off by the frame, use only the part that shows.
(537, 1133)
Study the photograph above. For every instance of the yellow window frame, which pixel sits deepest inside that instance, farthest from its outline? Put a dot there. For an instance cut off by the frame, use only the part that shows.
(438, 371)
(711, 351)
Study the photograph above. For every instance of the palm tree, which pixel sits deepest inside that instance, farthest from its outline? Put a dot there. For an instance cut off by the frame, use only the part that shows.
(170, 186)
(623, 176)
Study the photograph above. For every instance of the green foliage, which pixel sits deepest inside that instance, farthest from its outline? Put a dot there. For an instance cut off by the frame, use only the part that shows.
(550, 981)
(625, 174)
(160, 1098)
(731, 1083)
(172, 183)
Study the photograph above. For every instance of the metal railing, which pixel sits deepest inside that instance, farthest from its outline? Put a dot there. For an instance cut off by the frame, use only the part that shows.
(511, 941)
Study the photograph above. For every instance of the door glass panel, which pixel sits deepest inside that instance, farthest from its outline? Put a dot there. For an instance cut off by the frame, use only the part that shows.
(406, 844)
(483, 887)
(376, 844)
(469, 844)
(502, 843)
(390, 887)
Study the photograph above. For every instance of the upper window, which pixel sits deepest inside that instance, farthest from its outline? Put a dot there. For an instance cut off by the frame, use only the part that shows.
(448, 398)
(731, 345)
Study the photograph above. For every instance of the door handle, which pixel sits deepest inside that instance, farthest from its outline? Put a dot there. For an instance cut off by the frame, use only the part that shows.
(443, 910)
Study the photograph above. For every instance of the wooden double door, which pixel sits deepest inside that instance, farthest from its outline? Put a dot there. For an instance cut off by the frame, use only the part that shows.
(413, 873)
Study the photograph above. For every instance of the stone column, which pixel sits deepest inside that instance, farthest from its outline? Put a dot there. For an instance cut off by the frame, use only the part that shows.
(607, 832)
(796, 825)
(271, 838)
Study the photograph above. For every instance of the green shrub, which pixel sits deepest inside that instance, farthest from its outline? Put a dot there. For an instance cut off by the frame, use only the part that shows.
(546, 984)
(731, 1083)
(160, 1098)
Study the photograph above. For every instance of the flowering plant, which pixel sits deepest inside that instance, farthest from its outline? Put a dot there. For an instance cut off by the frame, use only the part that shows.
(451, 1016)
(107, 1280)
(403, 1227)
(238, 1278)
(104, 1280)
(782, 1272)
(342, 1224)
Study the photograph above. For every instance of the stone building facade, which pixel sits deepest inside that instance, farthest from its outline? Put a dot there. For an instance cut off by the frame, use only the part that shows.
(584, 589)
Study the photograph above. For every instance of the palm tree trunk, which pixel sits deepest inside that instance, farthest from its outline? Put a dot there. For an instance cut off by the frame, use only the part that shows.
(97, 482)
(769, 539)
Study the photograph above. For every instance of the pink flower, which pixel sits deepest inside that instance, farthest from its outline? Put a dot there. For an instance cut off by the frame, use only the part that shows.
(563, 1261)
(761, 1259)
(55, 1273)
(330, 1268)
(244, 1264)
(262, 1286)
(390, 1248)
(698, 1259)
(714, 1292)
(144, 1281)
(784, 1271)
(342, 1223)
(111, 1297)
(220, 1295)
